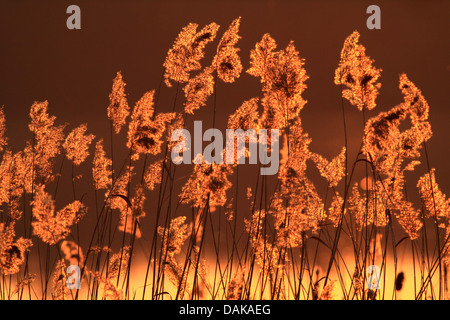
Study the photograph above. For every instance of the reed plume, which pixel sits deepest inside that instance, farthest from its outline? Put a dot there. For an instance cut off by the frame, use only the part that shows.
(3, 138)
(49, 226)
(47, 139)
(145, 131)
(187, 51)
(77, 144)
(101, 169)
(357, 73)
(118, 109)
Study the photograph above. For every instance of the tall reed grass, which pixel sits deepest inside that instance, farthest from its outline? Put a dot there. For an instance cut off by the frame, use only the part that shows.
(293, 241)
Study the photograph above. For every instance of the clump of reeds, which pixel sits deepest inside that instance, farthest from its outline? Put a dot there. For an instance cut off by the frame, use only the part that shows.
(285, 231)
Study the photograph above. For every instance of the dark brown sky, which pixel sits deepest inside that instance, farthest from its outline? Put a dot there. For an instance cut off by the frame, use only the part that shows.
(40, 59)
